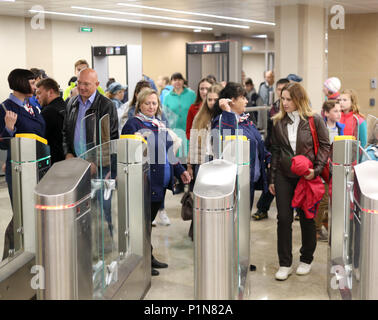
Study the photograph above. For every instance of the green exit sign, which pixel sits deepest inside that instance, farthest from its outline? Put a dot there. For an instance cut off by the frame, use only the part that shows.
(86, 29)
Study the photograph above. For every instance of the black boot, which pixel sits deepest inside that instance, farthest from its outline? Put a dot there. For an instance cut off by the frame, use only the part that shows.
(157, 264)
(154, 272)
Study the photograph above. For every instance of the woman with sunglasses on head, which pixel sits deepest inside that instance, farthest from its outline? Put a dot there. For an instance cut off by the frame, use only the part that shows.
(292, 136)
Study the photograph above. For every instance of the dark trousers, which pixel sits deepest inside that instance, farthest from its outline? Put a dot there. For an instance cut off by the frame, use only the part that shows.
(155, 206)
(285, 188)
(265, 201)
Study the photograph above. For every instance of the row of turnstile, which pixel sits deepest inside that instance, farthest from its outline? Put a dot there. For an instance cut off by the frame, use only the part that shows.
(82, 231)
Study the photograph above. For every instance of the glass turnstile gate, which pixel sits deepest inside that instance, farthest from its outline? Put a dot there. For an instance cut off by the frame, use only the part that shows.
(24, 161)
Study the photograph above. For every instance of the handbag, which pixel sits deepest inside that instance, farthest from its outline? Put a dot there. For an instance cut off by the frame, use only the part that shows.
(325, 172)
(187, 206)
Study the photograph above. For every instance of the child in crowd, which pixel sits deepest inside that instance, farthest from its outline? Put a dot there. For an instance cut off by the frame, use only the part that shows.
(332, 112)
(350, 110)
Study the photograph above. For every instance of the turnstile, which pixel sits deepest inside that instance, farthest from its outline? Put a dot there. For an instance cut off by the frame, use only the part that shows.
(29, 161)
(339, 268)
(365, 220)
(214, 217)
(352, 252)
(222, 223)
(236, 150)
(104, 230)
(63, 231)
(223, 59)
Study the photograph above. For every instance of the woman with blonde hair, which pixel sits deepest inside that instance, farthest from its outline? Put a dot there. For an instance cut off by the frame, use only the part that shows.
(351, 110)
(163, 163)
(199, 144)
(291, 136)
(200, 148)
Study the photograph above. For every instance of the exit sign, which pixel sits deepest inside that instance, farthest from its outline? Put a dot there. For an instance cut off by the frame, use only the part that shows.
(86, 29)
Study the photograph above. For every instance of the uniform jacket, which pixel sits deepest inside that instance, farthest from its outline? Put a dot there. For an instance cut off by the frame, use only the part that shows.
(254, 137)
(162, 145)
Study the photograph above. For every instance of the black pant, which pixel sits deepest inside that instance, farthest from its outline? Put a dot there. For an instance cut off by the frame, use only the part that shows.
(155, 206)
(284, 194)
(265, 201)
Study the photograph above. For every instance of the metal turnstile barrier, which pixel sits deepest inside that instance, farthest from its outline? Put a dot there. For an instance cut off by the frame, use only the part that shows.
(222, 223)
(63, 231)
(364, 250)
(339, 263)
(214, 217)
(94, 226)
(353, 241)
(29, 159)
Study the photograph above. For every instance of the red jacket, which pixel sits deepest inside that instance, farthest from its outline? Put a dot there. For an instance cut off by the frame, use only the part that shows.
(308, 193)
(193, 110)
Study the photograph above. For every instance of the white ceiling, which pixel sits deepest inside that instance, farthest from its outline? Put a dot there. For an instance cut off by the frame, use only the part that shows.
(262, 10)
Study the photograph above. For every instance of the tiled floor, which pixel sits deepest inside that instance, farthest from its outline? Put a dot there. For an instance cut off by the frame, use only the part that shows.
(172, 245)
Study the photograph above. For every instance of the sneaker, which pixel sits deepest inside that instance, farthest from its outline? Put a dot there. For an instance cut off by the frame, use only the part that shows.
(259, 215)
(164, 220)
(283, 273)
(322, 235)
(303, 269)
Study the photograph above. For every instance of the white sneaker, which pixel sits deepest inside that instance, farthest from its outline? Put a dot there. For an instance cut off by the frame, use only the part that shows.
(283, 273)
(303, 268)
(164, 220)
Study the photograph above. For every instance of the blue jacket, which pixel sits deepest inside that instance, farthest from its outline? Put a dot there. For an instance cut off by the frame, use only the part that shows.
(26, 123)
(254, 137)
(163, 148)
(340, 127)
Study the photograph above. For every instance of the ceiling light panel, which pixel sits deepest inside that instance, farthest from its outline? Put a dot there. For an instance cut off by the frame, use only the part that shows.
(161, 17)
(194, 13)
(120, 20)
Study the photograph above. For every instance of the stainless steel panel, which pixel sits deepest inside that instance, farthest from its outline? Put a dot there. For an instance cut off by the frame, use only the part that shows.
(73, 175)
(216, 180)
(366, 255)
(83, 272)
(16, 277)
(344, 152)
(214, 255)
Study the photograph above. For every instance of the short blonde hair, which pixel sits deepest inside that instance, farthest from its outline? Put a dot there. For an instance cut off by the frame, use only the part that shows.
(143, 95)
(300, 99)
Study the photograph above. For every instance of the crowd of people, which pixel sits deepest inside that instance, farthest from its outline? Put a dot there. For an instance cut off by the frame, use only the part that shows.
(179, 124)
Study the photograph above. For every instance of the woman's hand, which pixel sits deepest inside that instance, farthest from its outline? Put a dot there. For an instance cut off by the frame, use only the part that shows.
(272, 189)
(190, 170)
(10, 120)
(311, 175)
(224, 104)
(185, 177)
